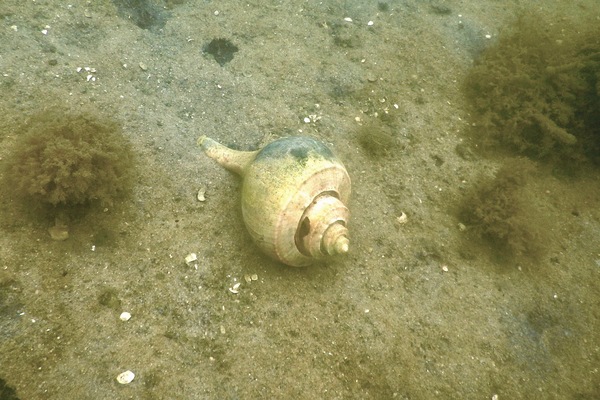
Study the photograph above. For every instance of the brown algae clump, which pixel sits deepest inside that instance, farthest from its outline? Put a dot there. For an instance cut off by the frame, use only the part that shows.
(62, 159)
(536, 92)
(499, 214)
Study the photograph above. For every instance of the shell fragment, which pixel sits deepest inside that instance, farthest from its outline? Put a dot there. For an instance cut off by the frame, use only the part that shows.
(125, 377)
(190, 258)
(235, 288)
(402, 219)
(201, 194)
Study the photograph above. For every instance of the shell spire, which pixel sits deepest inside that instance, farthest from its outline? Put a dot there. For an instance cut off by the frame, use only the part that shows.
(335, 241)
(323, 229)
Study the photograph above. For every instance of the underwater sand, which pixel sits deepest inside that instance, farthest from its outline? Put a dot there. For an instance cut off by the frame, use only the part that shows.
(414, 311)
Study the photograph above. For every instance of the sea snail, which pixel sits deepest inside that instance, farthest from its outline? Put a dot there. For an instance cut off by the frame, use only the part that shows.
(294, 192)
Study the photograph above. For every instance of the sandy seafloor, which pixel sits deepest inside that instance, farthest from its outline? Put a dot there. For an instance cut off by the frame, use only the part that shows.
(387, 321)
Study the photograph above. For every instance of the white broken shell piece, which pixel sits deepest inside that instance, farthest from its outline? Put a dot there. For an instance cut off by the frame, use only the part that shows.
(125, 316)
(190, 258)
(201, 194)
(402, 219)
(125, 377)
(234, 288)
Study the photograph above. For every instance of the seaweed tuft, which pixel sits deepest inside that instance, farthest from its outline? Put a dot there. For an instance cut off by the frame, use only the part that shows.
(64, 160)
(535, 93)
(499, 214)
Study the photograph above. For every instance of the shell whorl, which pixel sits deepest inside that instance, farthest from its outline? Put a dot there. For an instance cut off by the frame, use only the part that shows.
(322, 231)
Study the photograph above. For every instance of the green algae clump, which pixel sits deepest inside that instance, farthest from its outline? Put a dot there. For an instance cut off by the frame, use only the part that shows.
(64, 159)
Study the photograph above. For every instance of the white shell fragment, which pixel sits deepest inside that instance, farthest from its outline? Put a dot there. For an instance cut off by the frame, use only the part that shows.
(125, 316)
(201, 194)
(190, 258)
(402, 219)
(125, 377)
(234, 288)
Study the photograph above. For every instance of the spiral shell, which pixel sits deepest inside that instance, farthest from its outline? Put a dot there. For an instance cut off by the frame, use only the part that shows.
(294, 193)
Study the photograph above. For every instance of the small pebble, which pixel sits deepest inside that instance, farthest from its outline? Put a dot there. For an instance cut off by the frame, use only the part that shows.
(59, 232)
(125, 316)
